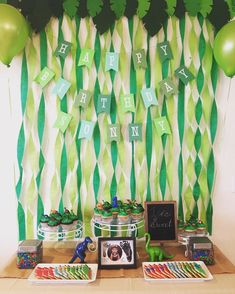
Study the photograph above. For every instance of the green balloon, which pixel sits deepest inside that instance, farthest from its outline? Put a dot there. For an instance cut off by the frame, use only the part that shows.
(224, 48)
(14, 32)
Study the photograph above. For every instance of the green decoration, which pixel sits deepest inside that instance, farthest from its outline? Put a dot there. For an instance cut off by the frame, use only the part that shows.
(231, 5)
(168, 87)
(118, 7)
(155, 253)
(164, 50)
(193, 6)
(162, 126)
(86, 129)
(94, 7)
(139, 58)
(127, 103)
(171, 4)
(44, 77)
(62, 121)
(224, 49)
(63, 49)
(14, 33)
(184, 74)
(143, 7)
(71, 7)
(135, 132)
(206, 7)
(104, 103)
(114, 133)
(86, 57)
(83, 99)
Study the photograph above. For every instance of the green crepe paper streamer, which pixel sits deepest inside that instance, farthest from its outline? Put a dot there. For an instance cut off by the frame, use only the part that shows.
(213, 121)
(21, 222)
(149, 130)
(96, 133)
(79, 79)
(132, 90)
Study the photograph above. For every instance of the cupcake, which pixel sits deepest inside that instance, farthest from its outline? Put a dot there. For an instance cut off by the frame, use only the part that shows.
(180, 226)
(127, 207)
(107, 216)
(53, 225)
(44, 221)
(56, 215)
(123, 217)
(106, 205)
(201, 227)
(115, 211)
(97, 214)
(66, 223)
(137, 214)
(190, 229)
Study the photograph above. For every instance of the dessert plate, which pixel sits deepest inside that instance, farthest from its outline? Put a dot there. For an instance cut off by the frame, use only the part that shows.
(60, 273)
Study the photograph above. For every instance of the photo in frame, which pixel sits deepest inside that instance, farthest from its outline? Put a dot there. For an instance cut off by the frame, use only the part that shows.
(116, 253)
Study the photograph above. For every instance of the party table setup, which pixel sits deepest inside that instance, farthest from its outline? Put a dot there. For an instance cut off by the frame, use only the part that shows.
(116, 111)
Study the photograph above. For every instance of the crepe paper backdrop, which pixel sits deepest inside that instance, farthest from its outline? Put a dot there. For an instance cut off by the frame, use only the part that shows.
(104, 13)
(56, 170)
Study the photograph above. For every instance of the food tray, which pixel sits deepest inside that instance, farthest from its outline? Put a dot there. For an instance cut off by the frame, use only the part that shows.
(70, 280)
(186, 271)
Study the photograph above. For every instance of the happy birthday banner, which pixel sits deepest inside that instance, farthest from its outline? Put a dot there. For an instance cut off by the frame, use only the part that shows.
(117, 114)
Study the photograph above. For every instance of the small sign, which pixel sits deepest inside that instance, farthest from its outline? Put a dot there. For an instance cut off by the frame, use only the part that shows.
(139, 59)
(61, 88)
(162, 126)
(184, 74)
(135, 132)
(111, 61)
(164, 50)
(86, 129)
(44, 77)
(86, 57)
(168, 87)
(114, 133)
(149, 97)
(127, 103)
(83, 99)
(161, 220)
(63, 49)
(104, 103)
(62, 121)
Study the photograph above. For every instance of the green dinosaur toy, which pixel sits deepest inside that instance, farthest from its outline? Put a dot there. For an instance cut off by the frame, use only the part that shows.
(155, 253)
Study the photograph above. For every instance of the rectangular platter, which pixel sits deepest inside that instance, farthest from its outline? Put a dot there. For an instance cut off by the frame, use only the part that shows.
(60, 273)
(186, 271)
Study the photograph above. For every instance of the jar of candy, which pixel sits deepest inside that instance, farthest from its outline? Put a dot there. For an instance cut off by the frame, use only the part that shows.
(201, 249)
(29, 254)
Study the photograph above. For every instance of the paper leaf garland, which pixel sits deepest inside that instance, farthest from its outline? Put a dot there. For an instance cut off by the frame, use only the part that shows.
(82, 9)
(56, 7)
(86, 57)
(149, 97)
(162, 126)
(94, 7)
(135, 132)
(231, 5)
(118, 7)
(104, 103)
(193, 6)
(171, 4)
(219, 15)
(86, 129)
(61, 87)
(156, 17)
(206, 7)
(44, 77)
(71, 7)
(180, 8)
(168, 87)
(127, 103)
(83, 99)
(143, 7)
(131, 7)
(114, 133)
(62, 121)
(184, 74)
(63, 49)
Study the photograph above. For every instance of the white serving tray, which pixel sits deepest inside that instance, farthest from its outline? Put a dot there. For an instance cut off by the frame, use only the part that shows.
(186, 279)
(33, 279)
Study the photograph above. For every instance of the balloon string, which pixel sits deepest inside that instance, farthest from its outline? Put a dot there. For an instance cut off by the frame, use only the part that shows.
(9, 95)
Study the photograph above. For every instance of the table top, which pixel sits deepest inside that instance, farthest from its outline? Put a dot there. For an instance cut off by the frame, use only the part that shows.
(222, 283)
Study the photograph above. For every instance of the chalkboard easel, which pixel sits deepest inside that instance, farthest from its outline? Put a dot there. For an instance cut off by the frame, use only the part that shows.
(161, 221)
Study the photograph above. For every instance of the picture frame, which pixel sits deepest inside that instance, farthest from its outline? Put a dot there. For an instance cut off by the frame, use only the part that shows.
(116, 253)
(161, 221)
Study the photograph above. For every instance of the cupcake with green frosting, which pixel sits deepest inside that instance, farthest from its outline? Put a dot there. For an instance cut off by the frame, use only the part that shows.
(56, 215)
(107, 216)
(66, 223)
(190, 229)
(123, 217)
(137, 213)
(180, 226)
(44, 221)
(97, 214)
(201, 227)
(53, 225)
(115, 211)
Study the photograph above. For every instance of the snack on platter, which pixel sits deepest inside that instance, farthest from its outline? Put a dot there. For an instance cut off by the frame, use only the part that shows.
(63, 273)
(192, 271)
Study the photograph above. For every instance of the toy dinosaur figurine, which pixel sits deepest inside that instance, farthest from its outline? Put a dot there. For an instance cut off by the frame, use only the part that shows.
(80, 250)
(155, 253)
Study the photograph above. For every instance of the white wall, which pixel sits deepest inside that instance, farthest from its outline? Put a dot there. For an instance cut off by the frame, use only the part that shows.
(224, 192)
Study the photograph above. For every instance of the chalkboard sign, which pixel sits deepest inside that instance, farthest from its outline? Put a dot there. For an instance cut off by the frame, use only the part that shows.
(160, 220)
